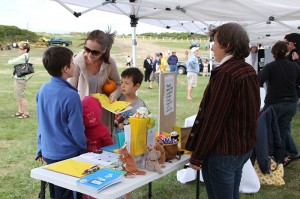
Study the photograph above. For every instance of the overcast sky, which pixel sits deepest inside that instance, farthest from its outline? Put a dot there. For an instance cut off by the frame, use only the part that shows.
(49, 16)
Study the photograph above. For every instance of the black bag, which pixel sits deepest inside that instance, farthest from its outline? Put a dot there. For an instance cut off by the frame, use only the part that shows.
(23, 69)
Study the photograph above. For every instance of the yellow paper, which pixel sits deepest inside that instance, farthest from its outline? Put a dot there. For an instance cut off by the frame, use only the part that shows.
(70, 167)
(138, 128)
(115, 107)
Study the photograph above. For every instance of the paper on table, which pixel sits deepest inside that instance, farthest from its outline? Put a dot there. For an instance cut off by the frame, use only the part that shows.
(105, 158)
(115, 107)
(70, 167)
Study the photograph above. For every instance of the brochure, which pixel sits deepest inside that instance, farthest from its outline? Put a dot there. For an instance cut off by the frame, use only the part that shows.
(100, 179)
(116, 107)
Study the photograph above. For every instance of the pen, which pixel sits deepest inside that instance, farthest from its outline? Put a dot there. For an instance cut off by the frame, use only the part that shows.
(91, 169)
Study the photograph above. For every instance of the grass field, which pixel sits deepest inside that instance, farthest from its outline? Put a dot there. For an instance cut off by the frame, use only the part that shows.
(18, 136)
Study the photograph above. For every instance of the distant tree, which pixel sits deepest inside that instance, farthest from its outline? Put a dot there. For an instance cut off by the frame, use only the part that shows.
(13, 33)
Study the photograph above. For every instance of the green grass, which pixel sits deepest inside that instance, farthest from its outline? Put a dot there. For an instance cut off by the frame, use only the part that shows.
(18, 137)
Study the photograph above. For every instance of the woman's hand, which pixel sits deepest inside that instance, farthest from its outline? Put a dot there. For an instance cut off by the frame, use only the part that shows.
(195, 167)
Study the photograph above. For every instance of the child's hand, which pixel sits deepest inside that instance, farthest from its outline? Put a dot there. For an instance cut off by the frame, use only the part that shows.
(112, 99)
(41, 160)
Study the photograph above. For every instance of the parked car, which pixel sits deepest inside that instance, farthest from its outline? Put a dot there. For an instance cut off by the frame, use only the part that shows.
(60, 41)
(182, 65)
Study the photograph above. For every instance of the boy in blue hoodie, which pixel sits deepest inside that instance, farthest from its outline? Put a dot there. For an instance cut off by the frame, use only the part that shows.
(60, 133)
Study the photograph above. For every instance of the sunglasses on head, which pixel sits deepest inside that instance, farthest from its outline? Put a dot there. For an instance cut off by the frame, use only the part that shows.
(93, 52)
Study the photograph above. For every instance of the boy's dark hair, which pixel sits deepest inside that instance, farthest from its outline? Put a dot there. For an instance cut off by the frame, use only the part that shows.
(55, 58)
(279, 50)
(135, 73)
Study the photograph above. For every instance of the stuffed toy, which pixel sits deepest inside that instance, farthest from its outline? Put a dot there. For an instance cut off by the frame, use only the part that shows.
(152, 163)
(160, 147)
(129, 163)
(97, 134)
(175, 135)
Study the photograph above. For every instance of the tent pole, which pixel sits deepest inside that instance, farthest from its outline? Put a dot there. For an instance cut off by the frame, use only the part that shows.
(133, 23)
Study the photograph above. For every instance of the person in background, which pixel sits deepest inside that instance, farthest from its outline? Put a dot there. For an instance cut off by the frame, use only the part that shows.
(224, 133)
(293, 46)
(155, 67)
(281, 93)
(148, 68)
(14, 45)
(192, 70)
(128, 61)
(60, 133)
(94, 66)
(172, 61)
(205, 67)
(163, 63)
(252, 59)
(21, 82)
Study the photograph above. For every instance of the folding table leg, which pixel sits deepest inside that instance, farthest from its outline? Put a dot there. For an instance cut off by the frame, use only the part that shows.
(198, 185)
(150, 190)
(43, 190)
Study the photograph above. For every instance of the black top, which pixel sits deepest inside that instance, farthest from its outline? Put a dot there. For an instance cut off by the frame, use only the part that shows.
(281, 77)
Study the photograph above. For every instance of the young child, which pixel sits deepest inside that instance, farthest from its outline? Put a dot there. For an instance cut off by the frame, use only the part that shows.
(59, 112)
(97, 134)
(131, 80)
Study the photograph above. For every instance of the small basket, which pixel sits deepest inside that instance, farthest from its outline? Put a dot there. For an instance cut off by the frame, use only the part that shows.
(171, 150)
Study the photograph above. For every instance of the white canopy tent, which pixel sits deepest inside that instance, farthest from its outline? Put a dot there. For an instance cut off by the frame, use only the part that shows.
(266, 21)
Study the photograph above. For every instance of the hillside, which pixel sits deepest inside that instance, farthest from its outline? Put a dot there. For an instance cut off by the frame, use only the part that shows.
(10, 34)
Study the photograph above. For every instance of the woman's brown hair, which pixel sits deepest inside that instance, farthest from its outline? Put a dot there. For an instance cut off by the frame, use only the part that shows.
(233, 38)
(105, 40)
(279, 49)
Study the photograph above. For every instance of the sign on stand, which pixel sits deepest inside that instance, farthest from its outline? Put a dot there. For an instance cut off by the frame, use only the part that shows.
(167, 102)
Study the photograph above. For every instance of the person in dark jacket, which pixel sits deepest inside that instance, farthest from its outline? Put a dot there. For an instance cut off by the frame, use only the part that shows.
(293, 46)
(223, 135)
(172, 61)
(148, 68)
(281, 77)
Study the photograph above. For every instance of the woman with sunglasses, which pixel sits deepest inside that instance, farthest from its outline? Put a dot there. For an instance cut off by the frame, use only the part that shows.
(20, 82)
(94, 66)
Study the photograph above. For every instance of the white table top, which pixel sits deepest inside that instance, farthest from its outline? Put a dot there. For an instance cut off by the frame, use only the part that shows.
(126, 185)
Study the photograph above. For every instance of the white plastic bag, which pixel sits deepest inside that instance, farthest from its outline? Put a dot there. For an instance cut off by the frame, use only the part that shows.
(249, 182)
(186, 175)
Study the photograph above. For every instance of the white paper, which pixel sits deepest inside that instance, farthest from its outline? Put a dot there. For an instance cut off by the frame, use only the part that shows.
(169, 97)
(127, 133)
(105, 158)
(151, 134)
